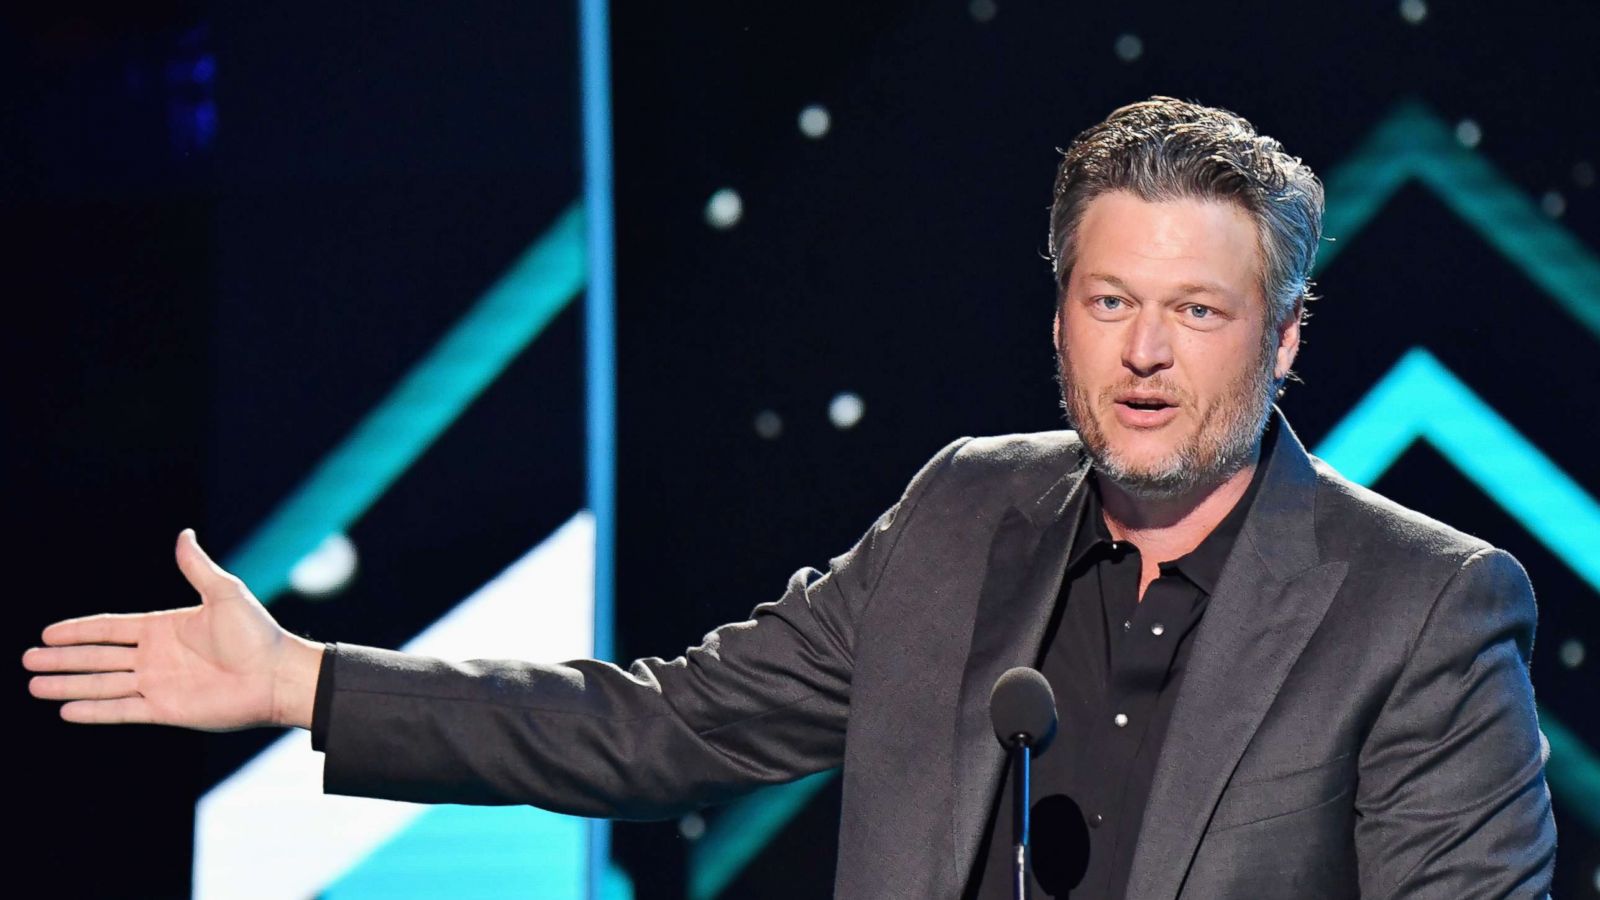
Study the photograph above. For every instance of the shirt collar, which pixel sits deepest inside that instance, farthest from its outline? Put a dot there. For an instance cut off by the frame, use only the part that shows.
(1202, 565)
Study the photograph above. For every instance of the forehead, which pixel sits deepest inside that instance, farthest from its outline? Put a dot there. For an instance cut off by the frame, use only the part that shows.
(1157, 246)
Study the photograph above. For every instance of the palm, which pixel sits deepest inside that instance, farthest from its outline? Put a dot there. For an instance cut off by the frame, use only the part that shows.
(210, 666)
(200, 666)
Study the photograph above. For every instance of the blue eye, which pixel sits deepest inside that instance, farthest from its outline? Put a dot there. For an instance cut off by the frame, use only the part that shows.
(1108, 303)
(1200, 312)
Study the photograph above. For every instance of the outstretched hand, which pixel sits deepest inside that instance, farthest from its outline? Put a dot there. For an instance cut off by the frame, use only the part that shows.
(220, 666)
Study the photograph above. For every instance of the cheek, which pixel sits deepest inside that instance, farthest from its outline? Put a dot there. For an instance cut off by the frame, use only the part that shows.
(1210, 369)
(1213, 379)
(1093, 347)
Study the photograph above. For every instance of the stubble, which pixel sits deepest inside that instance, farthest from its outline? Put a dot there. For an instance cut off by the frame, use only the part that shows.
(1222, 443)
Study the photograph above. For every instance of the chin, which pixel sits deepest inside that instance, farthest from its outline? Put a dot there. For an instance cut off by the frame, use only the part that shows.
(1148, 473)
(1132, 457)
(1154, 484)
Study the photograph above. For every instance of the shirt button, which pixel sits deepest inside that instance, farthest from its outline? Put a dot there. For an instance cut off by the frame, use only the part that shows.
(1096, 820)
(1158, 629)
(1128, 624)
(1121, 719)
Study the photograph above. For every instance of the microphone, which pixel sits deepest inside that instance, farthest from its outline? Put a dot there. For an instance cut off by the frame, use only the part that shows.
(1022, 709)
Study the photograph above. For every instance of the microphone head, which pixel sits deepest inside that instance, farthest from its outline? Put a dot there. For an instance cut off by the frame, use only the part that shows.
(1023, 704)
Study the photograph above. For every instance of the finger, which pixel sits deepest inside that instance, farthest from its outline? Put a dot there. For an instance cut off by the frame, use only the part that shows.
(81, 658)
(196, 565)
(99, 686)
(107, 712)
(106, 628)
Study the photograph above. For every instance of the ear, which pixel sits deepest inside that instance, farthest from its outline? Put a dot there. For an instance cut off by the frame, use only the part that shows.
(1288, 341)
(1055, 328)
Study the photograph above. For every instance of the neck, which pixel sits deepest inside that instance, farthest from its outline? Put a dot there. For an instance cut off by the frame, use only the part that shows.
(1167, 528)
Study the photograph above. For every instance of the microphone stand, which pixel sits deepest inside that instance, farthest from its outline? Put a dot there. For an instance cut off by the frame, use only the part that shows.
(1022, 709)
(1020, 776)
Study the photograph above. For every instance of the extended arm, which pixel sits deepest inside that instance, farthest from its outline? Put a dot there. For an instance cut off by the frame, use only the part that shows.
(759, 701)
(1452, 801)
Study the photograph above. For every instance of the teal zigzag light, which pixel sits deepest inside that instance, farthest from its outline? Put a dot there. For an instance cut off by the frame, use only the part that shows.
(1421, 399)
(419, 408)
(1414, 143)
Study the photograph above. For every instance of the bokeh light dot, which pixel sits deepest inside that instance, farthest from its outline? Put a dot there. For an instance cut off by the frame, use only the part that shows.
(983, 10)
(1413, 11)
(815, 121)
(769, 425)
(1583, 174)
(1129, 47)
(1553, 204)
(692, 827)
(1572, 653)
(724, 209)
(326, 570)
(846, 410)
(1469, 133)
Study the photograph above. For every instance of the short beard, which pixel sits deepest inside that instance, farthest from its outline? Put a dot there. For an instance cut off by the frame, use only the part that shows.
(1222, 444)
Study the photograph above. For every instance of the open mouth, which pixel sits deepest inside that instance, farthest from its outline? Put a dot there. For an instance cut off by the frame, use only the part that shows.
(1145, 403)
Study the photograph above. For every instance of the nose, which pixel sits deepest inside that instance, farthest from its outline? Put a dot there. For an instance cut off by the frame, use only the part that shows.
(1148, 345)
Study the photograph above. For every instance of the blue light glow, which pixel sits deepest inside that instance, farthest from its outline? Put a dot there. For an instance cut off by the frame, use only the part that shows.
(419, 408)
(1420, 399)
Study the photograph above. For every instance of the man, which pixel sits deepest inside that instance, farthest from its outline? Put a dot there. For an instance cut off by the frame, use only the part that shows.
(1272, 682)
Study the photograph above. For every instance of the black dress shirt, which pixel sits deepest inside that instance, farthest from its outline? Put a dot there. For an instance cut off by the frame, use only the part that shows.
(1115, 664)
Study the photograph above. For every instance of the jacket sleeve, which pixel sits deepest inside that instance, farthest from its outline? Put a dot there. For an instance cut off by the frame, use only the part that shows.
(1451, 800)
(757, 702)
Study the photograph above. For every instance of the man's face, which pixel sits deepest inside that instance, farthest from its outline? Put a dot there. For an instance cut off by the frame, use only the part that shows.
(1165, 367)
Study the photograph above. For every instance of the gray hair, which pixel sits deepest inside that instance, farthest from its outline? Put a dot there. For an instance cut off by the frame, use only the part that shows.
(1165, 149)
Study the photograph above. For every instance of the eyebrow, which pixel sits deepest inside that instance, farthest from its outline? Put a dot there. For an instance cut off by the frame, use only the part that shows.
(1188, 287)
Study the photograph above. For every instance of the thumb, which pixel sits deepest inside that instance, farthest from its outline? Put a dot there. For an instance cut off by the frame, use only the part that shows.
(197, 567)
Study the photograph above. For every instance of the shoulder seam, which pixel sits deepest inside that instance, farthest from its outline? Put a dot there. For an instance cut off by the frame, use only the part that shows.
(950, 451)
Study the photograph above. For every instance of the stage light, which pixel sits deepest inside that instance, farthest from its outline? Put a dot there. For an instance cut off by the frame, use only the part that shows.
(845, 410)
(1413, 11)
(983, 10)
(724, 209)
(769, 424)
(1469, 133)
(1129, 47)
(1553, 204)
(815, 121)
(1572, 653)
(326, 570)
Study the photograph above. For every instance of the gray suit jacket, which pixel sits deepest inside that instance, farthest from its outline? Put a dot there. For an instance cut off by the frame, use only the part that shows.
(1356, 719)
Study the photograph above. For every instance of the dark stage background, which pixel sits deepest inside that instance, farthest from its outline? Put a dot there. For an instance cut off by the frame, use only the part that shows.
(232, 228)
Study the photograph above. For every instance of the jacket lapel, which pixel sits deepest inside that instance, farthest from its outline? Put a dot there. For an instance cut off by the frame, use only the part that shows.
(1270, 598)
(1027, 558)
